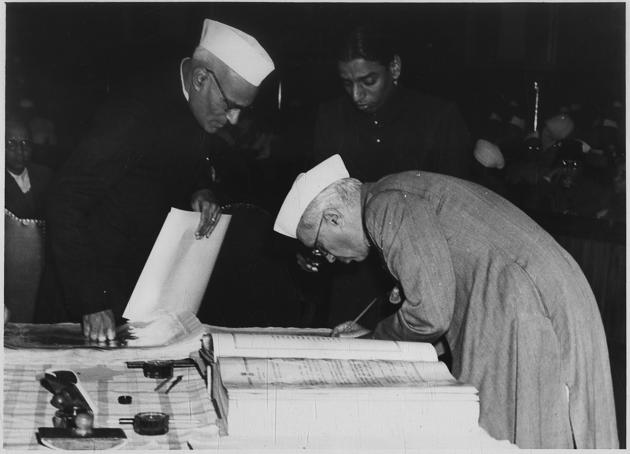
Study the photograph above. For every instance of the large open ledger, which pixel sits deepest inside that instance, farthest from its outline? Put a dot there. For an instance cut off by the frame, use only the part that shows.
(300, 390)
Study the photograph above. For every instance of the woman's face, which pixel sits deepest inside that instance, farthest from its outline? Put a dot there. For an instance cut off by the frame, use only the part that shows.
(368, 83)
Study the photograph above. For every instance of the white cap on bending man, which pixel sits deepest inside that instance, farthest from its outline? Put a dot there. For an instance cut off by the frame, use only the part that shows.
(305, 188)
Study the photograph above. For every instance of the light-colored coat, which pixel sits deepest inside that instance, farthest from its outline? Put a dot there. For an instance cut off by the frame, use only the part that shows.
(519, 316)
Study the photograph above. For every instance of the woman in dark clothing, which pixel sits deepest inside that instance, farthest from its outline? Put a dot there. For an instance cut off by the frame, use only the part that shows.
(379, 128)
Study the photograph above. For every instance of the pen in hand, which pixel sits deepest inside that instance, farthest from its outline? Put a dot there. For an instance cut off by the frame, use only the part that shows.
(358, 317)
(336, 332)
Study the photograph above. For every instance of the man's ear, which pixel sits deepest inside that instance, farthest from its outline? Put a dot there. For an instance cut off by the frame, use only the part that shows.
(333, 217)
(199, 78)
(395, 67)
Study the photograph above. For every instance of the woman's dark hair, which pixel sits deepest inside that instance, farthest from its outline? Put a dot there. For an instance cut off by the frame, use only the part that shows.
(368, 42)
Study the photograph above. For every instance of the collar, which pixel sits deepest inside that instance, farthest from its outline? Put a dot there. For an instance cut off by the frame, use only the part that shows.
(181, 77)
(22, 180)
(19, 175)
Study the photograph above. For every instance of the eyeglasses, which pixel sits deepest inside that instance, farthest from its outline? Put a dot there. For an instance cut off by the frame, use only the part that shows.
(13, 144)
(230, 107)
(319, 254)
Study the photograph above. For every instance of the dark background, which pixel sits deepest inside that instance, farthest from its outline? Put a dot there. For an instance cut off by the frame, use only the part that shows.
(68, 56)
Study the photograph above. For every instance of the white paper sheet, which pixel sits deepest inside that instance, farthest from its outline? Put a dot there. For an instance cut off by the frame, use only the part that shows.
(177, 271)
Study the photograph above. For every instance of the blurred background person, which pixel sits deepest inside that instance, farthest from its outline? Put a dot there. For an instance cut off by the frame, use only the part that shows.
(26, 182)
(575, 185)
(26, 186)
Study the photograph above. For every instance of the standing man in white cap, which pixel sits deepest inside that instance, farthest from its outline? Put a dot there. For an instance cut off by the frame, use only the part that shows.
(146, 152)
(516, 311)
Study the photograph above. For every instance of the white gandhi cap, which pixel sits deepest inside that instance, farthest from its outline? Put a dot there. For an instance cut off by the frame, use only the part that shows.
(238, 50)
(305, 188)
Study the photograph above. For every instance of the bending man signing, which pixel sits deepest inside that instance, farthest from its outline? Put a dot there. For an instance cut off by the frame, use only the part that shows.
(515, 309)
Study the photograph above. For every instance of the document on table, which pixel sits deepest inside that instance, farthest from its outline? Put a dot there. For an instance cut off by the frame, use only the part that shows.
(176, 274)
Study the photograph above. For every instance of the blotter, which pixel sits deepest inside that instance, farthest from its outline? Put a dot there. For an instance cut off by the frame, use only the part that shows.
(68, 439)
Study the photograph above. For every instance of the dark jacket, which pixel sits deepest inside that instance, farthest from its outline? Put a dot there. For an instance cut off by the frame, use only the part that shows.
(144, 154)
(411, 131)
(32, 204)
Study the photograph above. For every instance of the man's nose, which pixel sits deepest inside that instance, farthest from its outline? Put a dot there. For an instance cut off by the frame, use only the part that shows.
(21, 149)
(232, 116)
(357, 93)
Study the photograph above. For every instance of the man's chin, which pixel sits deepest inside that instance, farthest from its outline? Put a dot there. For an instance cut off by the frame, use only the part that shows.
(213, 126)
(369, 109)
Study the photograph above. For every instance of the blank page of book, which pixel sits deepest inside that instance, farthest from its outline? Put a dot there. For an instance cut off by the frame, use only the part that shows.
(275, 345)
(176, 274)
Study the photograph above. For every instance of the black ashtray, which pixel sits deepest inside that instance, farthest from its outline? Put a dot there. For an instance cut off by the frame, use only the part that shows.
(158, 369)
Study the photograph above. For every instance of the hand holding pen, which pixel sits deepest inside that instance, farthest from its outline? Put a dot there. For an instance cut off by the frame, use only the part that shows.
(352, 328)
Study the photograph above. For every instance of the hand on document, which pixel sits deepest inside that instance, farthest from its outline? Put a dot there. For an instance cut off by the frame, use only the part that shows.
(163, 329)
(203, 202)
(349, 329)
